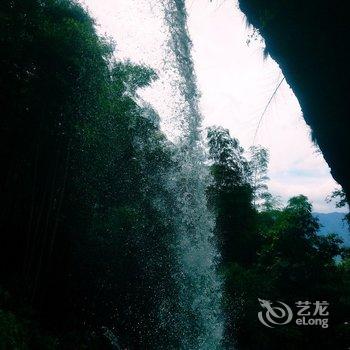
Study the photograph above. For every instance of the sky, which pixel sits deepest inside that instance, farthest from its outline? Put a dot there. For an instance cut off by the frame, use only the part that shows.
(235, 82)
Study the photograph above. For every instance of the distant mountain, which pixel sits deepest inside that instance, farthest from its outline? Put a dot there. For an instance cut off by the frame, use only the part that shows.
(334, 223)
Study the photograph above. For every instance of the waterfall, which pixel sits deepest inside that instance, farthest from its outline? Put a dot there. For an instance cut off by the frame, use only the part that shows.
(198, 319)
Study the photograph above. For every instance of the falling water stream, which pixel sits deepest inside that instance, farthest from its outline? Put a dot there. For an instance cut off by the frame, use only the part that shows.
(191, 317)
(199, 321)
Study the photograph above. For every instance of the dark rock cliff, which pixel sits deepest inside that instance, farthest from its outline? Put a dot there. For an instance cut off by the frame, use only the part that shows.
(309, 39)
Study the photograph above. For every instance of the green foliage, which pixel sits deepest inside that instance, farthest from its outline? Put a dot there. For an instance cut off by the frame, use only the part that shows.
(340, 196)
(294, 263)
(231, 196)
(272, 253)
(85, 223)
(258, 164)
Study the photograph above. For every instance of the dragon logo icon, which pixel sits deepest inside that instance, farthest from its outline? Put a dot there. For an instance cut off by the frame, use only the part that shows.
(274, 315)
